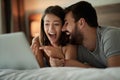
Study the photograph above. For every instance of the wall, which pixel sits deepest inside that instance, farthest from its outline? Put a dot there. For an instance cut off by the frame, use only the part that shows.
(109, 15)
(0, 18)
(40, 5)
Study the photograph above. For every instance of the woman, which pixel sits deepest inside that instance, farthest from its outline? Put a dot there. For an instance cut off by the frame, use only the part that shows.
(52, 41)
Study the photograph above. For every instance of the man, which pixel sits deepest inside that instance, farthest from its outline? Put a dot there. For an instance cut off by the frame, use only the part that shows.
(98, 46)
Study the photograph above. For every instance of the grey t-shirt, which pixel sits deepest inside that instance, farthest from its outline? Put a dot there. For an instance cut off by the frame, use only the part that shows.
(108, 44)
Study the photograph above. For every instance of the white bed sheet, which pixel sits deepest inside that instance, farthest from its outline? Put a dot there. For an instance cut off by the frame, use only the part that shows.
(61, 73)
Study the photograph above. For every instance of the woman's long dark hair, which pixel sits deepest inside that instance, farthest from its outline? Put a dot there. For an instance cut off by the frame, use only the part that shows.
(59, 12)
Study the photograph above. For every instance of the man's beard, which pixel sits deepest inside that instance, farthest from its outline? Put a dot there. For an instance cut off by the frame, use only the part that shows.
(76, 37)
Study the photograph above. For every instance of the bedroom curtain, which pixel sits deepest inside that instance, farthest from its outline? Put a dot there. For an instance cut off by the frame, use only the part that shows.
(13, 16)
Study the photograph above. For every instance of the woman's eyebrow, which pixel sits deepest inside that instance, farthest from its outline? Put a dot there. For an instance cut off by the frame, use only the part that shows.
(47, 21)
(57, 21)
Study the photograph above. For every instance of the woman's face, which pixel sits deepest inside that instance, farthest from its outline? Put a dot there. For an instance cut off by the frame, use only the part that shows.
(52, 28)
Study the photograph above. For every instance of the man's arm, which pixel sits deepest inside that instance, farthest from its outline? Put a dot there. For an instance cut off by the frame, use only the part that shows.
(75, 63)
(111, 46)
(114, 61)
(71, 57)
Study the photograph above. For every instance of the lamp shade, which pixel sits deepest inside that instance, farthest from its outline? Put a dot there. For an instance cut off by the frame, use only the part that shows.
(35, 28)
(35, 20)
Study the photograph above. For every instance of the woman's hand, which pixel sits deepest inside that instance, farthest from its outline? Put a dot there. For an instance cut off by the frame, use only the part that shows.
(35, 46)
(54, 52)
(35, 49)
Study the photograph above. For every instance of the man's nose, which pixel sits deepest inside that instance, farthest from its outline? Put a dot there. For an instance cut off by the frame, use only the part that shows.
(64, 28)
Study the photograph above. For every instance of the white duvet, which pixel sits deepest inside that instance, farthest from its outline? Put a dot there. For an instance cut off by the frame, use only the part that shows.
(61, 73)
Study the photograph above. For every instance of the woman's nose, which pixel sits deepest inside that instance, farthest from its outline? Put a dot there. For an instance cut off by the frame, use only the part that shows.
(51, 28)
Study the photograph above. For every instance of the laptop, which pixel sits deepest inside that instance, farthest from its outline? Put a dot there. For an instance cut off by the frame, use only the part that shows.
(15, 52)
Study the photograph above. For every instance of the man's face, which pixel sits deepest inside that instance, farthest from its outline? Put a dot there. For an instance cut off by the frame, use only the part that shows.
(72, 29)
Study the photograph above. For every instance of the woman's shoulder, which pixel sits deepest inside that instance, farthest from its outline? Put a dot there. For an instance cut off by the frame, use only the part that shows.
(70, 49)
(69, 46)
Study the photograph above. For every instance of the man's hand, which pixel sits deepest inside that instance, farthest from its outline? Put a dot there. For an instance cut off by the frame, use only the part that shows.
(55, 62)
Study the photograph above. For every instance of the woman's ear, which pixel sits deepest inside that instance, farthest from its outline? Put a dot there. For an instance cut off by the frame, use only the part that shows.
(81, 23)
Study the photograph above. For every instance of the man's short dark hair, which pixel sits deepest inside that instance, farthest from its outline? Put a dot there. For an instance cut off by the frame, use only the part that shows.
(84, 10)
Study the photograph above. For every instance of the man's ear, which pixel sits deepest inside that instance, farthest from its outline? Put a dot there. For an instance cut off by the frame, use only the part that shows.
(81, 23)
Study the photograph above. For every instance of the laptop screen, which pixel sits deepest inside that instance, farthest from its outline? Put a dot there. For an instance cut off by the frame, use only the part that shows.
(15, 52)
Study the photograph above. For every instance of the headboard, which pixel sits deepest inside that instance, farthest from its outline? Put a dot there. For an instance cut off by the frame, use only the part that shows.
(109, 15)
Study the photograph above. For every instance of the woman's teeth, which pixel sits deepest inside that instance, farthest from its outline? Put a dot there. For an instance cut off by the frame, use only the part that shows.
(52, 35)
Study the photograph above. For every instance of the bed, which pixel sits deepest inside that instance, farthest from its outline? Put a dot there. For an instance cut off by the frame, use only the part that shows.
(61, 73)
(107, 15)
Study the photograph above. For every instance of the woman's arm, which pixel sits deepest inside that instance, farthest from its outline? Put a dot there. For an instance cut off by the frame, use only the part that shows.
(37, 52)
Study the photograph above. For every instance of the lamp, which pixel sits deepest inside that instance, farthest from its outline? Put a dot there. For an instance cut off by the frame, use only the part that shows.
(35, 28)
(35, 20)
